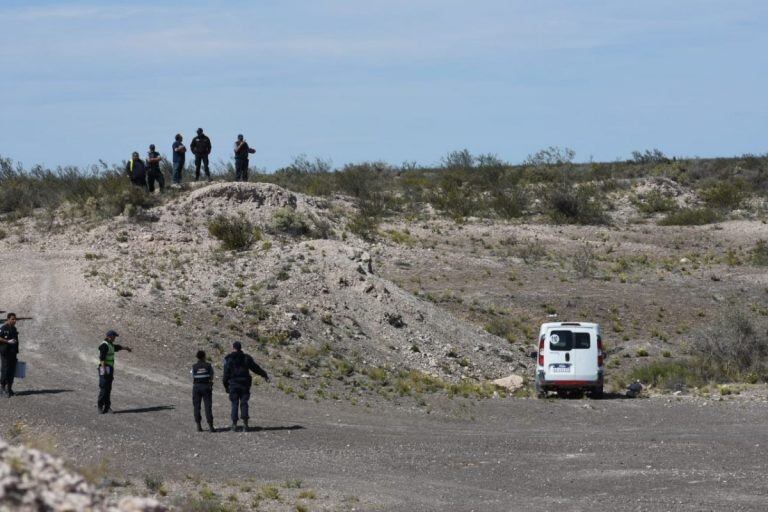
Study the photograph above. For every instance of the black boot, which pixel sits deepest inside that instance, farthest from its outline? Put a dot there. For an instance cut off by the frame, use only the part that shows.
(199, 428)
(210, 427)
(245, 425)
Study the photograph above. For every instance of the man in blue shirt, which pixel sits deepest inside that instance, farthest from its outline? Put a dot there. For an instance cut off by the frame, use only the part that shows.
(179, 151)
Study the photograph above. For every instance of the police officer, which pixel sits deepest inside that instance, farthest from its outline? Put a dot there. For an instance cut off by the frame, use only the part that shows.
(137, 171)
(201, 148)
(154, 173)
(9, 353)
(202, 390)
(237, 382)
(242, 150)
(107, 351)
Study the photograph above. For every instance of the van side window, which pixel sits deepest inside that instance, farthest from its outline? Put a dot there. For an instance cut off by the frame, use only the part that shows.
(560, 340)
(581, 340)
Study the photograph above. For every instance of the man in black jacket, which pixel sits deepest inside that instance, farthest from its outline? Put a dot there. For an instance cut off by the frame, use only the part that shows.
(9, 353)
(202, 390)
(237, 382)
(201, 148)
(242, 150)
(107, 351)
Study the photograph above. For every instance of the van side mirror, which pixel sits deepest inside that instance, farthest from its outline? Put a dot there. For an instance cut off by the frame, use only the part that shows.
(534, 354)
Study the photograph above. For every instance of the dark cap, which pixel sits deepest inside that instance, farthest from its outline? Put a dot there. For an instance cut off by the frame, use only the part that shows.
(199, 130)
(135, 154)
(152, 147)
(240, 137)
(237, 345)
(201, 354)
(112, 334)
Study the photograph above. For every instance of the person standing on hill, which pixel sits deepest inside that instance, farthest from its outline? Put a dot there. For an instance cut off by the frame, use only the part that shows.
(237, 382)
(179, 154)
(154, 174)
(242, 150)
(202, 390)
(9, 353)
(137, 171)
(201, 148)
(107, 351)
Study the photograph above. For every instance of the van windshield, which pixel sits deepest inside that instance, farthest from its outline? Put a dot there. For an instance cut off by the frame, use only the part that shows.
(568, 340)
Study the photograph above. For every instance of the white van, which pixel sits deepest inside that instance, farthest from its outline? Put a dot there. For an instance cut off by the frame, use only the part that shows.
(569, 359)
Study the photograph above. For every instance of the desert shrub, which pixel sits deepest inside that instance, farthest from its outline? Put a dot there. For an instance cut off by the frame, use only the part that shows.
(584, 261)
(235, 233)
(502, 327)
(654, 202)
(532, 251)
(649, 157)
(455, 197)
(690, 217)
(723, 194)
(510, 203)
(551, 156)
(732, 347)
(670, 375)
(569, 204)
(290, 222)
(759, 253)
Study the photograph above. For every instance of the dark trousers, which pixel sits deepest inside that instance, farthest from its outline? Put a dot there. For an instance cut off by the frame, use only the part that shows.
(241, 170)
(239, 399)
(202, 393)
(178, 167)
(8, 372)
(204, 160)
(155, 175)
(105, 388)
(140, 182)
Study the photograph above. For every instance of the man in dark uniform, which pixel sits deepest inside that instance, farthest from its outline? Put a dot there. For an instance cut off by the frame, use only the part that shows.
(107, 351)
(154, 174)
(9, 353)
(179, 152)
(242, 150)
(237, 382)
(137, 171)
(201, 148)
(202, 390)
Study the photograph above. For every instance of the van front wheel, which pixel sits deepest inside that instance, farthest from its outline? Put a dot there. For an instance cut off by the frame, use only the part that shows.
(597, 392)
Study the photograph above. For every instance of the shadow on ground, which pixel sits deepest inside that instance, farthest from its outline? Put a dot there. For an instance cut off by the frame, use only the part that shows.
(28, 392)
(140, 410)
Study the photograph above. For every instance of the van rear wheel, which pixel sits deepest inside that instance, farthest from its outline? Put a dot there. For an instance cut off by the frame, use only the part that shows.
(597, 392)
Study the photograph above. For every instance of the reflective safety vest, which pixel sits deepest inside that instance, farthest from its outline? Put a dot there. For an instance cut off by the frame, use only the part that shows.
(110, 359)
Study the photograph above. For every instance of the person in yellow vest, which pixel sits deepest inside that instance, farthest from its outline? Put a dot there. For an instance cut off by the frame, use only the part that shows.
(107, 351)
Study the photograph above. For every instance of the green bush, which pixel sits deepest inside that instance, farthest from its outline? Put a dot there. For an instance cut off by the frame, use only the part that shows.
(690, 217)
(654, 202)
(569, 204)
(235, 233)
(759, 253)
(733, 347)
(290, 222)
(723, 194)
(670, 375)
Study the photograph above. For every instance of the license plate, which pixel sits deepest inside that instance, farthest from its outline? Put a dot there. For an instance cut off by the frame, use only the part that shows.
(560, 368)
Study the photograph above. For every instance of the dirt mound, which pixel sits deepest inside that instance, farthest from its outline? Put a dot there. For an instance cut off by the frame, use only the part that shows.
(31, 480)
(262, 194)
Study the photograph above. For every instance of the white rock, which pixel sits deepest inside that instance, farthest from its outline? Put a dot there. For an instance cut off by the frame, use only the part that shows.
(510, 383)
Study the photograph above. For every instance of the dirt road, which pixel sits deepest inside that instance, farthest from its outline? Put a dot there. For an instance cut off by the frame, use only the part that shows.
(664, 453)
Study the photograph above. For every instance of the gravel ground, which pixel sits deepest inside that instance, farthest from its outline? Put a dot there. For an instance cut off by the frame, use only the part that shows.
(661, 453)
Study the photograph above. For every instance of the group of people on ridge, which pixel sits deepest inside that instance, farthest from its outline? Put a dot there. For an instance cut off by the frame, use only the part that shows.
(237, 382)
(146, 174)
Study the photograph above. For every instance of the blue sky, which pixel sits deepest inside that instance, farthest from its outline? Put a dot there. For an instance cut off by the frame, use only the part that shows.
(396, 80)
